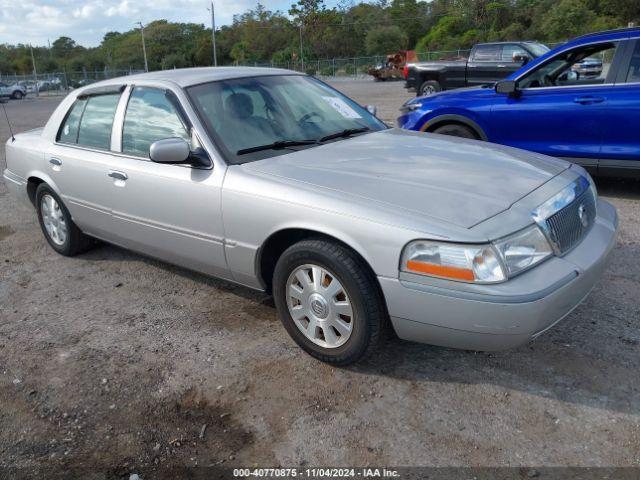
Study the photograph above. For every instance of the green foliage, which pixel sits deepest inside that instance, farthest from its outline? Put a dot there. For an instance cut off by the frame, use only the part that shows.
(350, 30)
(386, 39)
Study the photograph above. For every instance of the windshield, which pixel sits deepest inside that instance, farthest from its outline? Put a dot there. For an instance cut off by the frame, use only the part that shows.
(288, 112)
(538, 49)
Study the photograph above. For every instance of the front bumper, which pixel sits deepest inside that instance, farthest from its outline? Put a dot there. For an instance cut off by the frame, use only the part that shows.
(506, 315)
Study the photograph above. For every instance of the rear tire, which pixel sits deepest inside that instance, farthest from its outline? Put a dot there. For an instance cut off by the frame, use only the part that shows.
(339, 308)
(429, 88)
(457, 130)
(57, 226)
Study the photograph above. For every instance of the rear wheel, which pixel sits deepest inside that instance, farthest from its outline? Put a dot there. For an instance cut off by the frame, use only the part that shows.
(429, 88)
(62, 234)
(328, 301)
(456, 130)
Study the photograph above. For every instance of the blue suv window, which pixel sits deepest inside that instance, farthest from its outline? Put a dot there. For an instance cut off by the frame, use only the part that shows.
(633, 75)
(586, 65)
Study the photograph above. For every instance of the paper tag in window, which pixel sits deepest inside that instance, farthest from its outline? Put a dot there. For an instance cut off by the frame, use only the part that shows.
(341, 107)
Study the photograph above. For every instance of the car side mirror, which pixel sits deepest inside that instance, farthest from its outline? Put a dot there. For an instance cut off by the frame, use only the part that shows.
(372, 109)
(521, 59)
(176, 151)
(506, 87)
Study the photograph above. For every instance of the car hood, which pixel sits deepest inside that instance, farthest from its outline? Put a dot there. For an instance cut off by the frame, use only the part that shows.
(459, 181)
(447, 95)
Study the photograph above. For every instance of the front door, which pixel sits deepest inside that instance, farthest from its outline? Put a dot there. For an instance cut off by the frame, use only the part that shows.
(555, 112)
(172, 212)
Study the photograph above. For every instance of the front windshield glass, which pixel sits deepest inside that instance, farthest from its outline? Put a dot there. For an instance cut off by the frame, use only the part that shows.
(244, 113)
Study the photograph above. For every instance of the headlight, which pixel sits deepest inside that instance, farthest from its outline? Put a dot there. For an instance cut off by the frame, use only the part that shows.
(467, 263)
(524, 249)
(489, 263)
(410, 107)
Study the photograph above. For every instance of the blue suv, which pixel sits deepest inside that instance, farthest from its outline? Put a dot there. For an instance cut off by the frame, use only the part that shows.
(551, 106)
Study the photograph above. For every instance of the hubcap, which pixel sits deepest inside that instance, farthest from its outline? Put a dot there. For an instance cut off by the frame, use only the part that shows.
(53, 219)
(319, 306)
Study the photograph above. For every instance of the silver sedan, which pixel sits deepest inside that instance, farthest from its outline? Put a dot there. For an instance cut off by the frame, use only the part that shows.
(274, 180)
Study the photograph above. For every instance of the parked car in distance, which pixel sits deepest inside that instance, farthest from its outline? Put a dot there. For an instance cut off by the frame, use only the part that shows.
(589, 67)
(487, 63)
(274, 180)
(547, 108)
(14, 91)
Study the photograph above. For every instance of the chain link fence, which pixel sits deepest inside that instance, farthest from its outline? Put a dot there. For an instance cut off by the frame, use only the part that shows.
(352, 66)
(59, 83)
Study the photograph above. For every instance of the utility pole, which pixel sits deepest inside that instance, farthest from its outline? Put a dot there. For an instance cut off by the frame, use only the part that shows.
(301, 54)
(144, 47)
(213, 35)
(35, 73)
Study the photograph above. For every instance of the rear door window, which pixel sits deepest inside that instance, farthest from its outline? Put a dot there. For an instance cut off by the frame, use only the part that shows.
(97, 121)
(487, 53)
(633, 74)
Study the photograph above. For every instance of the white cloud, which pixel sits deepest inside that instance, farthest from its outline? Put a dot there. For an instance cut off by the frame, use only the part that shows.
(86, 21)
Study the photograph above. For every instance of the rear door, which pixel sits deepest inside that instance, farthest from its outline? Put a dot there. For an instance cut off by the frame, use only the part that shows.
(79, 161)
(621, 142)
(483, 64)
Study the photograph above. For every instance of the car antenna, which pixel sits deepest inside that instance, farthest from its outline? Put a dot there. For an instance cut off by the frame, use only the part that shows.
(13, 138)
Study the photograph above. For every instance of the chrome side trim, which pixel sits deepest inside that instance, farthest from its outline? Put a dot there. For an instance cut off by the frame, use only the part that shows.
(168, 228)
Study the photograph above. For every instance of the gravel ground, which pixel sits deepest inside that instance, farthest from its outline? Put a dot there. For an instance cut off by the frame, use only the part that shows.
(112, 362)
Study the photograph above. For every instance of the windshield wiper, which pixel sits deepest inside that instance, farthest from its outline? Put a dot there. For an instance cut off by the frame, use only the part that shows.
(276, 146)
(344, 133)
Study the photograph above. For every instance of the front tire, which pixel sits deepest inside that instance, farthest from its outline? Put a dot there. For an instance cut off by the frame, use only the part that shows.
(328, 301)
(17, 95)
(57, 226)
(457, 130)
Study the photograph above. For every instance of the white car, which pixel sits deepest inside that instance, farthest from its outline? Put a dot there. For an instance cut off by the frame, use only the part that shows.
(15, 91)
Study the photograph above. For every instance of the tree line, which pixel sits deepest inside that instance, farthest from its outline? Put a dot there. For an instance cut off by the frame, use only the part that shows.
(311, 31)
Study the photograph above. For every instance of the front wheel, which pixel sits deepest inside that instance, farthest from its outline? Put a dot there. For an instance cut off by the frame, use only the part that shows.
(17, 95)
(328, 301)
(456, 130)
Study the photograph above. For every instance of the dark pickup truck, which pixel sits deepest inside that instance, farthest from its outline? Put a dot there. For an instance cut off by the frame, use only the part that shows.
(487, 63)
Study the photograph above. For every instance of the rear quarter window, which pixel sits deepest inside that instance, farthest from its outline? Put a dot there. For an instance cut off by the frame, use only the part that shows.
(68, 132)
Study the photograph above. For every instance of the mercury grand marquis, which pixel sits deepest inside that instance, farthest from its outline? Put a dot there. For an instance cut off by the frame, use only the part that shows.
(275, 181)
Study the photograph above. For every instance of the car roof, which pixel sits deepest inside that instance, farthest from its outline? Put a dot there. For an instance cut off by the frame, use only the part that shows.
(185, 77)
(509, 42)
(610, 32)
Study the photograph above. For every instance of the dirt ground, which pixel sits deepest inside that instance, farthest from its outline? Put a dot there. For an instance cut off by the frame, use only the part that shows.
(111, 362)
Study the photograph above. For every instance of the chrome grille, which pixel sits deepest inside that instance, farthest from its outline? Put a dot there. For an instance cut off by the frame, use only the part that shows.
(569, 225)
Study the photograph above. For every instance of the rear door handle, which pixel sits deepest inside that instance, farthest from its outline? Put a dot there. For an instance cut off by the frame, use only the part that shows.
(56, 162)
(116, 175)
(588, 100)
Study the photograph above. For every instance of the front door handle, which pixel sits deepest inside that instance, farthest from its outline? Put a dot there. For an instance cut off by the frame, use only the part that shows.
(588, 100)
(56, 162)
(116, 175)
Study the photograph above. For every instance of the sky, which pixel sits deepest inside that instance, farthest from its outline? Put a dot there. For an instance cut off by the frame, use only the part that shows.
(86, 21)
